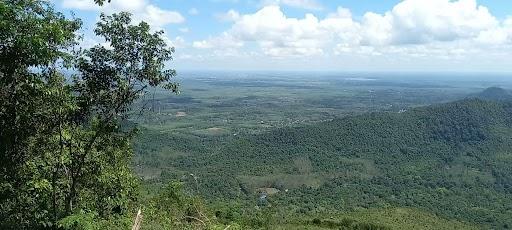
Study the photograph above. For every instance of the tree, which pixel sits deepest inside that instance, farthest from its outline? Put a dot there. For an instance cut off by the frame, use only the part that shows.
(65, 149)
(109, 81)
(34, 39)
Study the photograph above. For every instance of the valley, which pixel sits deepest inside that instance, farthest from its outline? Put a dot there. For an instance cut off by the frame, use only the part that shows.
(346, 146)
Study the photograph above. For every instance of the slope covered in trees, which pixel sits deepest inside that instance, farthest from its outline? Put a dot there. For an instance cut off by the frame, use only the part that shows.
(493, 94)
(452, 160)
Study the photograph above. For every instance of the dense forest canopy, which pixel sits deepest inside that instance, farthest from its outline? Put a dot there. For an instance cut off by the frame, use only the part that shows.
(450, 159)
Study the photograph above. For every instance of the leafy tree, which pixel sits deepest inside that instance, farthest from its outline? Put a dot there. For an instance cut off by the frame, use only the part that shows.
(101, 2)
(110, 80)
(33, 35)
(65, 150)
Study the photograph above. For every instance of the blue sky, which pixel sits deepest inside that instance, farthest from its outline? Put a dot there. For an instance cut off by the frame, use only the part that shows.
(350, 35)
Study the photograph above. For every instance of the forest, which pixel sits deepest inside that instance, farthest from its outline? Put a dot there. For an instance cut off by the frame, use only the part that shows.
(108, 137)
(451, 160)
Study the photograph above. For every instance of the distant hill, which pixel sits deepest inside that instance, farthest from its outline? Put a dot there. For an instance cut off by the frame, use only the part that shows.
(493, 94)
(453, 160)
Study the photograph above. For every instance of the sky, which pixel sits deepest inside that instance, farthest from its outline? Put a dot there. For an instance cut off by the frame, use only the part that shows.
(321, 35)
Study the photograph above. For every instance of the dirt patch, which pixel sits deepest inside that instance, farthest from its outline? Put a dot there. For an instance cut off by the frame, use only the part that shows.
(282, 181)
(268, 191)
(181, 114)
(213, 131)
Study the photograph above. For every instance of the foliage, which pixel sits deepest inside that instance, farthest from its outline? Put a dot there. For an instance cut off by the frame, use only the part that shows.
(65, 150)
(80, 221)
(440, 159)
(33, 36)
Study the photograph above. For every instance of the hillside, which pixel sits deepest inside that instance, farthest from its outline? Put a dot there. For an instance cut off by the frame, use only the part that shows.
(452, 160)
(493, 94)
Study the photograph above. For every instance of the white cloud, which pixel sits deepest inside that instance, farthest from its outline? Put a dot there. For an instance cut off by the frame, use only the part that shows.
(178, 42)
(304, 4)
(413, 31)
(420, 21)
(224, 41)
(80, 5)
(142, 10)
(280, 36)
(231, 15)
(497, 36)
(276, 34)
(193, 11)
(157, 17)
(418, 28)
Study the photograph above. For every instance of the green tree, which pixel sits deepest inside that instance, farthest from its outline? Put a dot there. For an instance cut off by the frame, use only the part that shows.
(33, 36)
(65, 149)
(109, 81)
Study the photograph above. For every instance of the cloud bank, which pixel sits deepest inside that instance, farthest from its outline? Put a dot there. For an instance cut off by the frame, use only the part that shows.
(441, 28)
(142, 10)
